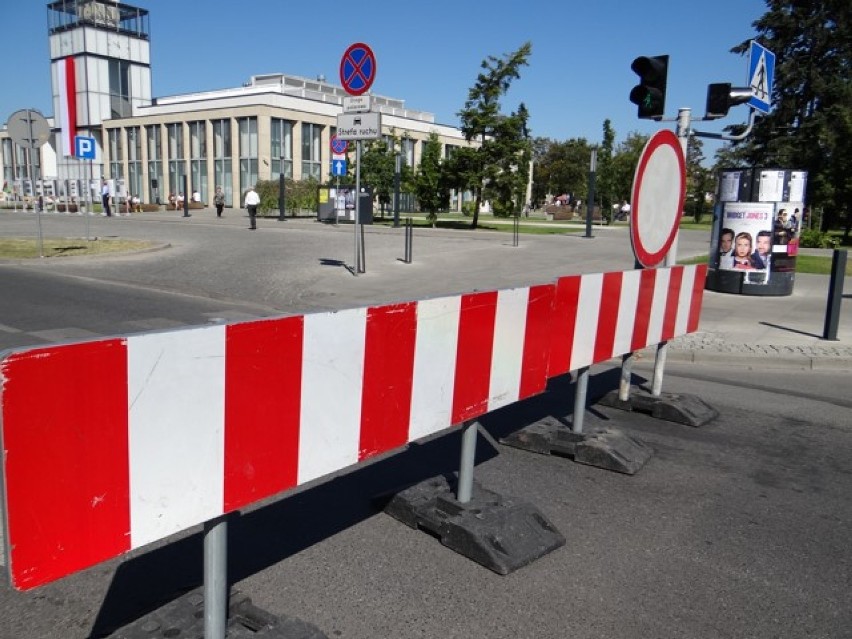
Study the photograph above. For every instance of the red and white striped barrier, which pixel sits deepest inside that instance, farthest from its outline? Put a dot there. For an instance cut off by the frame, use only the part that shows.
(116, 443)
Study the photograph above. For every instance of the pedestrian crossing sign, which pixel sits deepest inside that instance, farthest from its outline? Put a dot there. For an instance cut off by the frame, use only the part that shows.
(761, 72)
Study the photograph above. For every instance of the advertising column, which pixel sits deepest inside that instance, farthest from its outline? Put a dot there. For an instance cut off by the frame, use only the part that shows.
(757, 221)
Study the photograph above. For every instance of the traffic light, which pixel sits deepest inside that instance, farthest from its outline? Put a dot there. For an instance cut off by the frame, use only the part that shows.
(721, 97)
(650, 93)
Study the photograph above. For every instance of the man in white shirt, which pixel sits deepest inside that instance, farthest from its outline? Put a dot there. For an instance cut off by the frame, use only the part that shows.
(252, 200)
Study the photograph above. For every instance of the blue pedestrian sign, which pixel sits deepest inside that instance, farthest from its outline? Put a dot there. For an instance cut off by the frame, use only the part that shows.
(761, 72)
(338, 167)
(84, 147)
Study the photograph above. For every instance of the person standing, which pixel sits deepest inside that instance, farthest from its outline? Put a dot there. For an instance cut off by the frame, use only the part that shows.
(105, 198)
(252, 200)
(219, 201)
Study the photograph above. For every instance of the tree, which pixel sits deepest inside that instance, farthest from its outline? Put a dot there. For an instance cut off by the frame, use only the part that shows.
(624, 164)
(604, 170)
(377, 171)
(564, 168)
(698, 179)
(428, 182)
(810, 125)
(500, 137)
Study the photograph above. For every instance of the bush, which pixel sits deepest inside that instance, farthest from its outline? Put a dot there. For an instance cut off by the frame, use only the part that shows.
(814, 238)
(468, 208)
(301, 196)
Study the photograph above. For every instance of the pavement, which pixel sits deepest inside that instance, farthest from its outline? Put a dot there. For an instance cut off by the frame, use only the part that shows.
(311, 274)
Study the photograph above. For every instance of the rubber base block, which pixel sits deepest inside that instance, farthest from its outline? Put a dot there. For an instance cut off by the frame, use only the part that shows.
(499, 533)
(680, 408)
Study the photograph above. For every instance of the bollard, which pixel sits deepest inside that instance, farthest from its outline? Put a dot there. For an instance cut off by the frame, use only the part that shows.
(835, 295)
(409, 236)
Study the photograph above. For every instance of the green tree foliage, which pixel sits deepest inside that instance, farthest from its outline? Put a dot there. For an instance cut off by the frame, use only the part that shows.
(301, 196)
(503, 138)
(563, 168)
(428, 182)
(624, 165)
(699, 180)
(605, 186)
(377, 170)
(810, 125)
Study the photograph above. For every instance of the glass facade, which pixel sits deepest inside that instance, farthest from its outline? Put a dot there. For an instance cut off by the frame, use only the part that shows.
(177, 164)
(248, 153)
(116, 154)
(119, 88)
(198, 158)
(155, 163)
(134, 161)
(222, 153)
(311, 151)
(281, 150)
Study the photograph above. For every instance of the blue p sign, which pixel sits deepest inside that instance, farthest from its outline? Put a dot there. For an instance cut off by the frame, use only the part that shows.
(84, 147)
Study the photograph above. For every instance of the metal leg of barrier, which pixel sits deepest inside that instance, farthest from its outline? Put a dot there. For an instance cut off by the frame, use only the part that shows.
(659, 367)
(468, 455)
(215, 578)
(580, 400)
(626, 375)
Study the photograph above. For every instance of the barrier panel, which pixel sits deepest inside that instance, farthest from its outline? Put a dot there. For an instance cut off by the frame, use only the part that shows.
(117, 443)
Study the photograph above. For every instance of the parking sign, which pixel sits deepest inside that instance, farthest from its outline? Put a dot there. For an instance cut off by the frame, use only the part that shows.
(84, 147)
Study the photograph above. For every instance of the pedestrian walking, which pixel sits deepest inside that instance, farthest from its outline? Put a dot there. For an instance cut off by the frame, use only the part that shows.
(105, 198)
(219, 201)
(252, 200)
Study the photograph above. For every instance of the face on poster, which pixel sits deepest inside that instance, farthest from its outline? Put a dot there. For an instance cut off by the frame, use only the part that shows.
(745, 241)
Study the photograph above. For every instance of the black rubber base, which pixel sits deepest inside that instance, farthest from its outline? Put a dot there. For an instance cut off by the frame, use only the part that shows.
(606, 448)
(499, 533)
(680, 408)
(184, 617)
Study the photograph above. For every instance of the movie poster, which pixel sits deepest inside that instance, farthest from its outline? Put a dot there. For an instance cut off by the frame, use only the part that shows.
(745, 241)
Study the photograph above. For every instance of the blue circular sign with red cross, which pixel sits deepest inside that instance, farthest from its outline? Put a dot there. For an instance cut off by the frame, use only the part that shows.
(338, 146)
(357, 69)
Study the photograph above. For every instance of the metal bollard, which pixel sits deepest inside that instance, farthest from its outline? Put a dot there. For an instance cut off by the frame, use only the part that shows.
(835, 295)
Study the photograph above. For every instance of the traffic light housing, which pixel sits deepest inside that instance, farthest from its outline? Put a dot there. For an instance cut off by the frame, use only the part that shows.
(721, 97)
(650, 94)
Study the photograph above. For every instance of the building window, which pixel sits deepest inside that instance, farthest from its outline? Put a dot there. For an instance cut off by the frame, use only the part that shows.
(282, 148)
(8, 166)
(155, 162)
(116, 154)
(134, 161)
(119, 88)
(198, 158)
(407, 148)
(311, 151)
(248, 153)
(222, 153)
(177, 167)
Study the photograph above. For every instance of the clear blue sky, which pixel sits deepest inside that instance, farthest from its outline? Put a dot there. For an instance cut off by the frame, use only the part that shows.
(428, 54)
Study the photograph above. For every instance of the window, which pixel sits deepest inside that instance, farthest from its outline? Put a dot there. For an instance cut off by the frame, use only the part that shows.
(222, 153)
(311, 151)
(155, 162)
(248, 153)
(116, 154)
(407, 148)
(8, 167)
(282, 148)
(198, 158)
(134, 161)
(119, 88)
(177, 168)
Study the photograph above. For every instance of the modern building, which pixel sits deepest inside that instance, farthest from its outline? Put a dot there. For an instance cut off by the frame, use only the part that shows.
(101, 77)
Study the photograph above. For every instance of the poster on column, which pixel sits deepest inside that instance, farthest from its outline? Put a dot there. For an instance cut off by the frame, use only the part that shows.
(745, 241)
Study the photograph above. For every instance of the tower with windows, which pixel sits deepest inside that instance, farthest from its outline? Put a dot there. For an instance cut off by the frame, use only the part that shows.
(100, 64)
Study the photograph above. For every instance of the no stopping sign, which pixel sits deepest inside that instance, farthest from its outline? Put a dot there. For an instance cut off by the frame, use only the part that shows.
(659, 188)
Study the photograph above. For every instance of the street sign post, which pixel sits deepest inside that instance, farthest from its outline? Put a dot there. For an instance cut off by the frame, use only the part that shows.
(29, 129)
(761, 72)
(338, 168)
(357, 69)
(338, 146)
(659, 188)
(359, 126)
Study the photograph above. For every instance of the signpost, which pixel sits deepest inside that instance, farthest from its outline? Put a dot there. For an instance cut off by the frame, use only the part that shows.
(357, 122)
(761, 73)
(84, 148)
(29, 129)
(659, 188)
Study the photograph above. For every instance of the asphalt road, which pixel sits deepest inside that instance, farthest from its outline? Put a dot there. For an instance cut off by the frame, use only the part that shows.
(736, 529)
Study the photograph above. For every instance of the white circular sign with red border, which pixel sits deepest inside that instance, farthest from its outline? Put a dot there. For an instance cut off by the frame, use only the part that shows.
(659, 189)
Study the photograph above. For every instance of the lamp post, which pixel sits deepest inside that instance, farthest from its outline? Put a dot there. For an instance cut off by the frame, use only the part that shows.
(396, 179)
